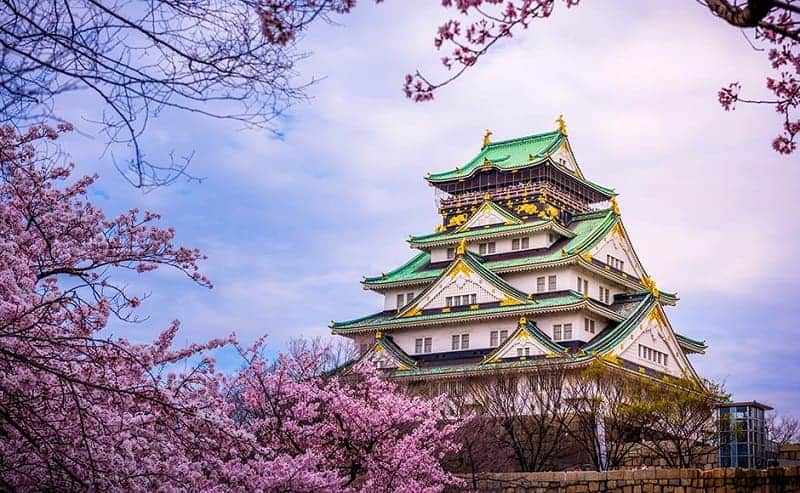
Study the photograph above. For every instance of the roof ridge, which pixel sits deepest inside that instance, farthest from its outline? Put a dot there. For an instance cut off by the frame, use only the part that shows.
(408, 263)
(542, 135)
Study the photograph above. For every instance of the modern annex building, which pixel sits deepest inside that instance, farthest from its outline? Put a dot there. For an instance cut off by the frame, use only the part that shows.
(530, 264)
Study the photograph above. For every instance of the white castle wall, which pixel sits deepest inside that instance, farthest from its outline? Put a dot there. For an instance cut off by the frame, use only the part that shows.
(539, 239)
(479, 332)
(441, 336)
(615, 246)
(566, 278)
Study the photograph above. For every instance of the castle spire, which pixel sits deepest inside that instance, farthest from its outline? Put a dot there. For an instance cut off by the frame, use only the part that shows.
(486, 138)
(562, 125)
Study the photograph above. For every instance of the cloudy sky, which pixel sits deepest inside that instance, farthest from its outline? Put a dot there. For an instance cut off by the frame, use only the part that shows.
(291, 224)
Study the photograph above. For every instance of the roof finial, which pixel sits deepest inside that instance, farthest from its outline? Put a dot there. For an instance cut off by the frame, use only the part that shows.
(462, 247)
(486, 139)
(562, 125)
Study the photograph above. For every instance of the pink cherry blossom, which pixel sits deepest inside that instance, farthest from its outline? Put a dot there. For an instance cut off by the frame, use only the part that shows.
(80, 410)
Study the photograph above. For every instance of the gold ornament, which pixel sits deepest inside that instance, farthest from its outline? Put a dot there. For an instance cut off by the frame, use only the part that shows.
(562, 125)
(527, 209)
(614, 205)
(486, 138)
(457, 220)
(462, 247)
(650, 284)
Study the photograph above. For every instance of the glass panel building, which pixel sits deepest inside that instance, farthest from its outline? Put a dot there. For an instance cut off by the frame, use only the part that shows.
(742, 435)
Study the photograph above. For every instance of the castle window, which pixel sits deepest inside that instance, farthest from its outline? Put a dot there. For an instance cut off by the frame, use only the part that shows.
(551, 283)
(540, 284)
(400, 300)
(567, 332)
(652, 355)
(605, 295)
(409, 297)
(459, 341)
(451, 253)
(486, 248)
(588, 325)
(520, 243)
(614, 262)
(496, 337)
(519, 351)
(448, 301)
(583, 285)
(557, 332)
(422, 345)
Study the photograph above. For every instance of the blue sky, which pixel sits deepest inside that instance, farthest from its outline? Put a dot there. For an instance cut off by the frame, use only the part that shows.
(291, 224)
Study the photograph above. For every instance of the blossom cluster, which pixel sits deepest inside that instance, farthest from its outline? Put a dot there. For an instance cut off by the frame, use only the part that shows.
(80, 410)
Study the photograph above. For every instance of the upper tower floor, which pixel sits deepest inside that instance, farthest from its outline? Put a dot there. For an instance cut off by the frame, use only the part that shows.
(532, 176)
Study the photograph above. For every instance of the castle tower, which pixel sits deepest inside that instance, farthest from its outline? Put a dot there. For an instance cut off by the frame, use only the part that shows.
(530, 264)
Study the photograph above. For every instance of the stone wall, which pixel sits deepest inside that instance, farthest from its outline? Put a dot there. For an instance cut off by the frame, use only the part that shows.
(774, 480)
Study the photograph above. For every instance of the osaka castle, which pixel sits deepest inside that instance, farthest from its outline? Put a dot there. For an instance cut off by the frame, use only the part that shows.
(531, 264)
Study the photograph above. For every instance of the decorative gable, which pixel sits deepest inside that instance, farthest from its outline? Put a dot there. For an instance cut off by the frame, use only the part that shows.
(566, 159)
(468, 280)
(617, 245)
(489, 214)
(385, 355)
(526, 341)
(652, 344)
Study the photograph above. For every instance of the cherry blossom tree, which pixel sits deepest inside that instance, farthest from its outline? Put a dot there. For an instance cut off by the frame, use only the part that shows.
(77, 409)
(356, 430)
(80, 409)
(478, 25)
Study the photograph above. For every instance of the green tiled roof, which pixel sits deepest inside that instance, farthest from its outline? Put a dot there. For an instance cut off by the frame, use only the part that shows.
(394, 350)
(587, 229)
(431, 238)
(691, 342)
(473, 262)
(513, 154)
(532, 331)
(507, 155)
(595, 348)
(608, 341)
(380, 319)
